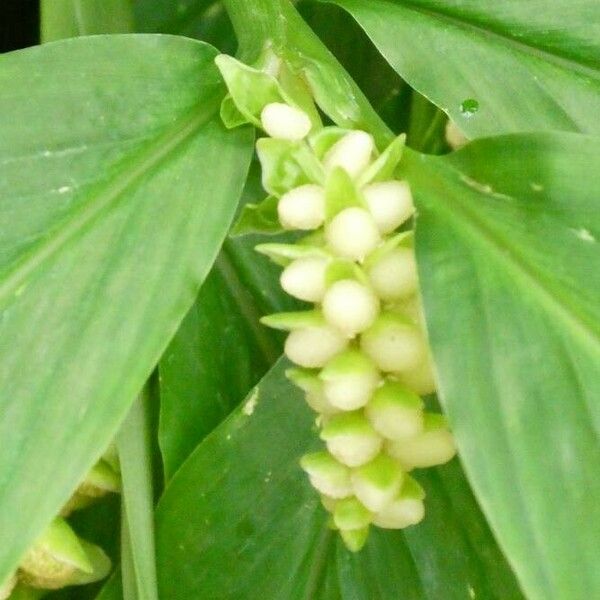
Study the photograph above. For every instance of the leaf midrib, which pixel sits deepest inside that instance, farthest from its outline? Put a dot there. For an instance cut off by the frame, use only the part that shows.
(563, 62)
(138, 164)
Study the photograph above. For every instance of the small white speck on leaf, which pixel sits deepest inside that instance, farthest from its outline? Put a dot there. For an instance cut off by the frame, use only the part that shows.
(251, 403)
(64, 189)
(536, 187)
(471, 592)
(585, 235)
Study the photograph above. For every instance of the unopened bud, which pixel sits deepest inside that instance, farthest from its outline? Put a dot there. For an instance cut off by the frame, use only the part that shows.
(305, 278)
(394, 275)
(395, 412)
(434, 446)
(353, 153)
(352, 233)
(407, 509)
(350, 306)
(349, 380)
(313, 347)
(394, 343)
(421, 379)
(54, 558)
(354, 539)
(285, 122)
(327, 475)
(351, 439)
(378, 482)
(302, 207)
(350, 514)
(313, 388)
(390, 203)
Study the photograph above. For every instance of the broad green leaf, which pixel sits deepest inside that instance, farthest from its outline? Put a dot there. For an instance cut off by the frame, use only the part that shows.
(508, 234)
(494, 67)
(117, 184)
(72, 18)
(239, 520)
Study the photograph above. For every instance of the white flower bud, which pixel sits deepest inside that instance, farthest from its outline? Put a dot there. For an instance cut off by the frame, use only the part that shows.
(394, 275)
(400, 513)
(349, 380)
(394, 344)
(304, 278)
(421, 379)
(327, 475)
(285, 122)
(302, 208)
(350, 306)
(313, 388)
(407, 509)
(395, 412)
(328, 503)
(377, 483)
(350, 514)
(351, 439)
(352, 233)
(312, 347)
(7, 587)
(434, 446)
(390, 203)
(352, 152)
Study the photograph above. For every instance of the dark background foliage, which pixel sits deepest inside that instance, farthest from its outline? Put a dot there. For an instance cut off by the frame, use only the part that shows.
(18, 24)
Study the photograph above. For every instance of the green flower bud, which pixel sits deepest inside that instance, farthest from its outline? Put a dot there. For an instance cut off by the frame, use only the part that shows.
(350, 306)
(390, 203)
(54, 558)
(407, 509)
(327, 475)
(421, 379)
(350, 514)
(302, 207)
(394, 275)
(313, 388)
(355, 539)
(394, 343)
(351, 439)
(304, 278)
(378, 482)
(349, 380)
(328, 503)
(352, 233)
(395, 412)
(434, 446)
(285, 122)
(7, 587)
(352, 153)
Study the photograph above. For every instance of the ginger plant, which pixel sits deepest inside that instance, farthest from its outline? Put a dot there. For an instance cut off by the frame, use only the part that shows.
(361, 352)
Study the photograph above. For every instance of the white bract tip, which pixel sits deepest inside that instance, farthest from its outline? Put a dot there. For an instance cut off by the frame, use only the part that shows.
(350, 306)
(304, 278)
(302, 208)
(394, 344)
(353, 153)
(428, 449)
(349, 380)
(390, 203)
(352, 233)
(377, 483)
(395, 412)
(400, 513)
(351, 439)
(285, 122)
(394, 275)
(313, 347)
(327, 475)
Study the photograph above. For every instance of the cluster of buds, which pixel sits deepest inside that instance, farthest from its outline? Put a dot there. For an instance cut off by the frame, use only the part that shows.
(361, 352)
(59, 557)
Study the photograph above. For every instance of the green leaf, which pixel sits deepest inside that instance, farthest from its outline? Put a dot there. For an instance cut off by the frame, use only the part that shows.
(71, 18)
(494, 67)
(117, 184)
(135, 459)
(239, 520)
(509, 262)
